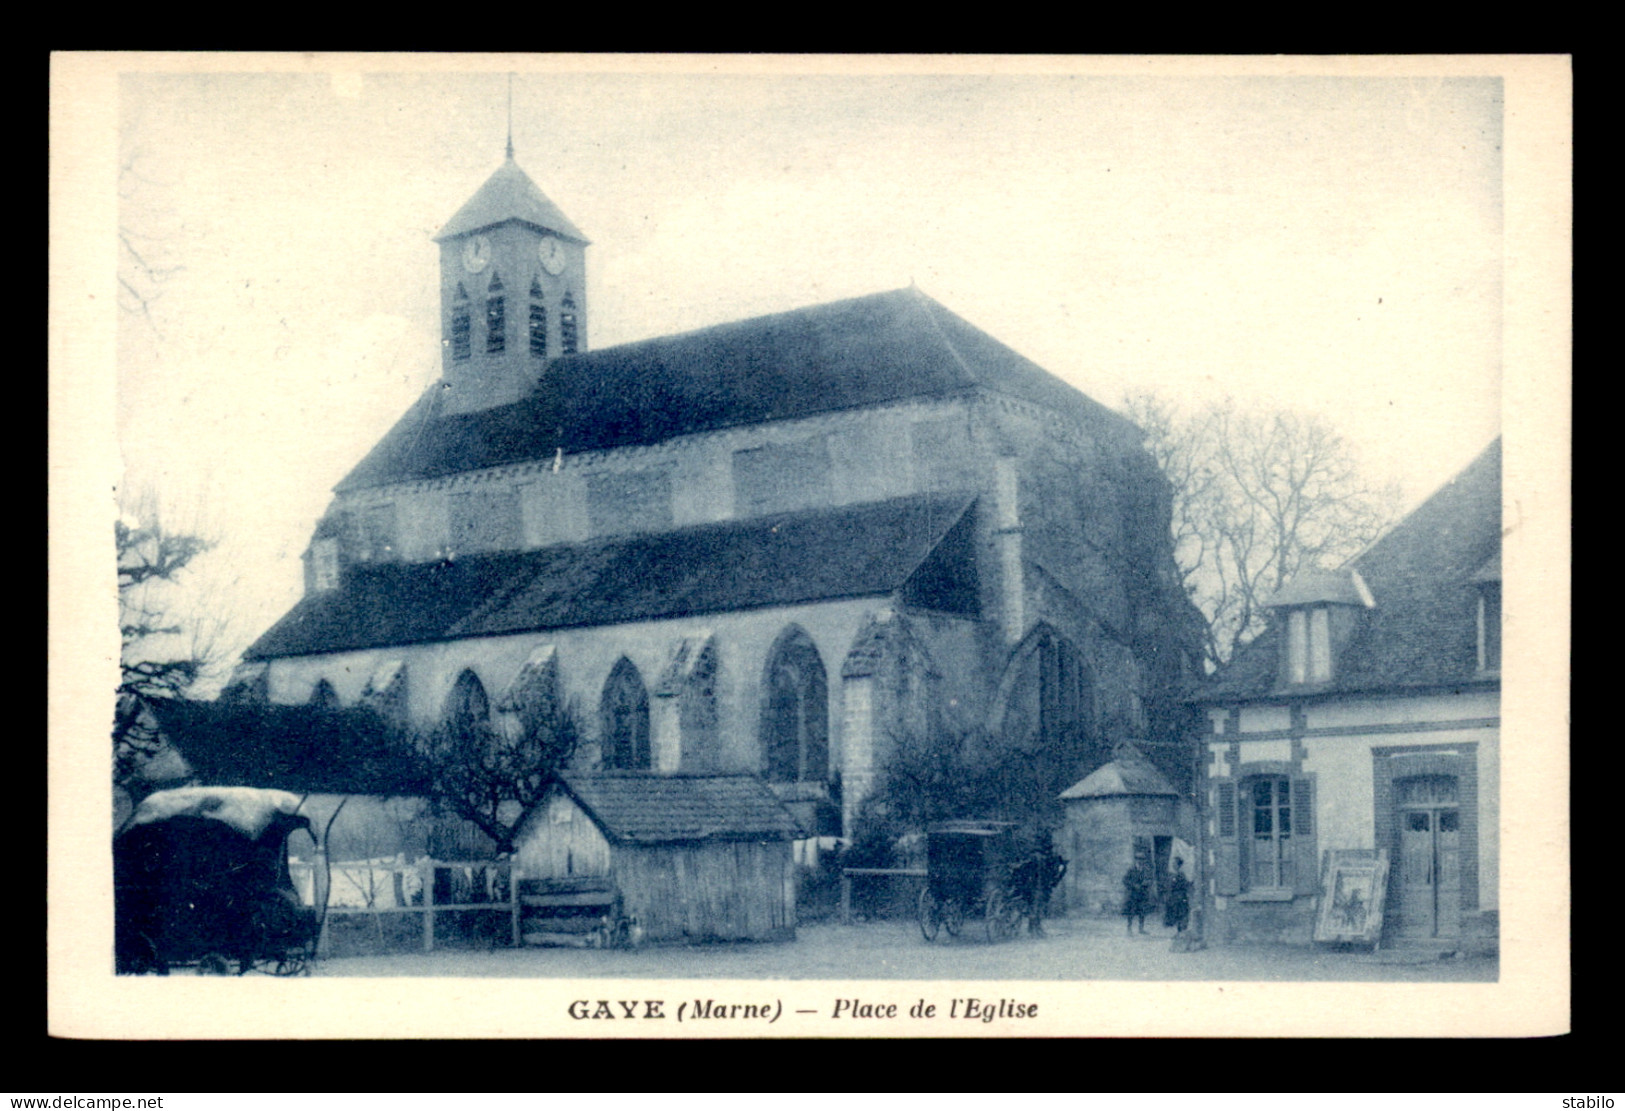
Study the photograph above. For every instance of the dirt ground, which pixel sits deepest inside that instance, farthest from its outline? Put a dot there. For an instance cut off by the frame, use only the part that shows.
(1075, 949)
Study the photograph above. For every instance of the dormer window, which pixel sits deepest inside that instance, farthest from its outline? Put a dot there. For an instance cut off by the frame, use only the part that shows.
(568, 337)
(324, 563)
(1306, 605)
(1309, 645)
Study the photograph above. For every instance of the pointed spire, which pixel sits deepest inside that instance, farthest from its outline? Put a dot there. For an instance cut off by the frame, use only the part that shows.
(510, 117)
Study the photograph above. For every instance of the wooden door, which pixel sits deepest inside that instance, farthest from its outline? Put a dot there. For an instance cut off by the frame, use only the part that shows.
(1429, 888)
(1416, 893)
(1447, 889)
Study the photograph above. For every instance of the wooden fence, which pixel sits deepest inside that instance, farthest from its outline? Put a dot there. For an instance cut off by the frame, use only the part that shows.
(846, 884)
(393, 887)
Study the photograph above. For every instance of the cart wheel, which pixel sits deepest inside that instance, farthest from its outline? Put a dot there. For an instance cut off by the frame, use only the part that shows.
(953, 917)
(1014, 911)
(995, 919)
(214, 964)
(292, 965)
(930, 915)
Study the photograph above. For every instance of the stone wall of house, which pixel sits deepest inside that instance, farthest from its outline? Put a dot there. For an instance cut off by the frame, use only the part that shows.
(1354, 750)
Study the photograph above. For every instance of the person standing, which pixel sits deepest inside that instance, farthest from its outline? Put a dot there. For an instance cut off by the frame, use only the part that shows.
(1178, 912)
(1044, 871)
(1136, 895)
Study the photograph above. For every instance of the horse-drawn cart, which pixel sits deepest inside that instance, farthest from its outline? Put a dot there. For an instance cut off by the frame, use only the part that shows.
(969, 869)
(200, 877)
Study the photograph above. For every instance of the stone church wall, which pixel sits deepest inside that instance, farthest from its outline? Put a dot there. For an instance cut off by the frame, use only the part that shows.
(829, 460)
(743, 642)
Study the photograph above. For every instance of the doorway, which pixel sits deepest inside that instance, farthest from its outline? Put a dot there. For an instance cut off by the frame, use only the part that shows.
(1429, 887)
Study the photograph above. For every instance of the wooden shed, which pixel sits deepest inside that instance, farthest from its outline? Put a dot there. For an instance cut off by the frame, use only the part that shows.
(1123, 809)
(683, 857)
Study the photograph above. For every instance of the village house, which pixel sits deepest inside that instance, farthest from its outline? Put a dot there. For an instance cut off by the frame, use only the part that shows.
(1367, 719)
(766, 548)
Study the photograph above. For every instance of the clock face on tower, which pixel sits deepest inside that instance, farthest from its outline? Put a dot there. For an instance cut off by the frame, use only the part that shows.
(476, 254)
(551, 252)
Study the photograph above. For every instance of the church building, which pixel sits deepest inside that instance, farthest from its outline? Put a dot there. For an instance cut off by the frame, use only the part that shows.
(772, 547)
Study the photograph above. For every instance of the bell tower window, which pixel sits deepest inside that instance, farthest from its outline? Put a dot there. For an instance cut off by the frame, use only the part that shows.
(461, 326)
(567, 325)
(496, 318)
(538, 322)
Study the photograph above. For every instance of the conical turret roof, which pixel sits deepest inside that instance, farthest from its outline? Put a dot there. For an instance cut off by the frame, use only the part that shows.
(509, 194)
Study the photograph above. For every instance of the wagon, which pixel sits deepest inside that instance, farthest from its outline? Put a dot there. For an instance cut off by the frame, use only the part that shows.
(200, 877)
(969, 867)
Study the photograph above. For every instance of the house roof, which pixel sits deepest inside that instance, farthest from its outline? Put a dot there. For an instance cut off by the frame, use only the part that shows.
(854, 551)
(868, 351)
(1129, 775)
(1343, 587)
(509, 194)
(648, 808)
(1423, 631)
(289, 748)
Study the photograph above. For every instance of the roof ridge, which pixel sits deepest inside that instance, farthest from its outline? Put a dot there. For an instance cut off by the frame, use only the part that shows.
(922, 301)
(723, 325)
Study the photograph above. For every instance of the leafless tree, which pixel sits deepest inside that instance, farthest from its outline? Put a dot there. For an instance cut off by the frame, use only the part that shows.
(493, 772)
(147, 234)
(1258, 496)
(164, 647)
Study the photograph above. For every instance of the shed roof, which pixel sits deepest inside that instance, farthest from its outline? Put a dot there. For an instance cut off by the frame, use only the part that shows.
(1124, 776)
(1423, 631)
(509, 194)
(290, 748)
(649, 808)
(852, 354)
(855, 551)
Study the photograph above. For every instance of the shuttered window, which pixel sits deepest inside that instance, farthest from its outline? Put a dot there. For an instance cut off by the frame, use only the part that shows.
(1264, 835)
(1226, 809)
(1226, 849)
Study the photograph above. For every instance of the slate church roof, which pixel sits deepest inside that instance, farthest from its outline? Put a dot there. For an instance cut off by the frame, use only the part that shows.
(856, 551)
(647, 808)
(852, 354)
(1424, 577)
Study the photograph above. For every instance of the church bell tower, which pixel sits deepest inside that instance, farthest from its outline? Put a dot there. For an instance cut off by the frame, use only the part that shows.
(513, 292)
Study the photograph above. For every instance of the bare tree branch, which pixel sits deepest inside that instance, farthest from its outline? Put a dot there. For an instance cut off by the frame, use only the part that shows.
(1258, 497)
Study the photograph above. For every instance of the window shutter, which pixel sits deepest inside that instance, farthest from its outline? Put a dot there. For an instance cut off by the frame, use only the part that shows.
(1306, 869)
(1226, 849)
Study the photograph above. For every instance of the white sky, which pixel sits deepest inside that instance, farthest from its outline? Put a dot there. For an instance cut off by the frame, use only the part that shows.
(1325, 244)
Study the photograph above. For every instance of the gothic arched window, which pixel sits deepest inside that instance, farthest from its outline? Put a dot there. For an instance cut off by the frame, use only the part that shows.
(1063, 688)
(795, 712)
(624, 718)
(697, 710)
(468, 708)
